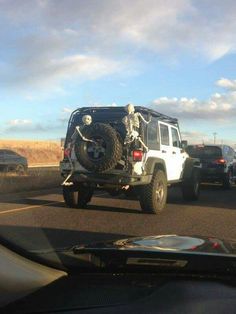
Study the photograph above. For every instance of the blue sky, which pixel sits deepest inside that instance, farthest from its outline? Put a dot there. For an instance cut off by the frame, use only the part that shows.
(175, 56)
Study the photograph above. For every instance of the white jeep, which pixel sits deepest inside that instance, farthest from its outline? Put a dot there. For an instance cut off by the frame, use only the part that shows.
(137, 152)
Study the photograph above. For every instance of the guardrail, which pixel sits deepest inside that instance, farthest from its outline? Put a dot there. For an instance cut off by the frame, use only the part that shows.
(36, 178)
(44, 166)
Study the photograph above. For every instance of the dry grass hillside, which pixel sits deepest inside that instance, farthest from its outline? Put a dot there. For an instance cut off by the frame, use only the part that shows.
(37, 152)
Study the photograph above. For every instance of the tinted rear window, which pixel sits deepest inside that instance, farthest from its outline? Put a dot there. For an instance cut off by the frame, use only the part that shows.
(112, 116)
(204, 151)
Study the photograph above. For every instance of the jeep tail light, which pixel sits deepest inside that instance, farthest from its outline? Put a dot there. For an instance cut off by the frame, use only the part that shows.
(137, 155)
(220, 161)
(67, 152)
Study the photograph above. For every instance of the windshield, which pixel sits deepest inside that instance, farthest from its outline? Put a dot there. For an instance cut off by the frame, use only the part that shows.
(108, 110)
(204, 151)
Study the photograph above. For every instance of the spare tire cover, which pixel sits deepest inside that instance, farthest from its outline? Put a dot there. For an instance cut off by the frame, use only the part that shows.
(102, 155)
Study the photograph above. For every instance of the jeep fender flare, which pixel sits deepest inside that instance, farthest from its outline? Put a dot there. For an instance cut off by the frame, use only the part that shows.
(189, 166)
(154, 162)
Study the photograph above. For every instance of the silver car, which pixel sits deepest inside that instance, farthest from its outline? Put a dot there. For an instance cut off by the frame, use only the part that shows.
(12, 161)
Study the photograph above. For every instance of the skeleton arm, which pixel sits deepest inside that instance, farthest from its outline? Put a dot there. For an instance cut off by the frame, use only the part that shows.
(142, 118)
(81, 135)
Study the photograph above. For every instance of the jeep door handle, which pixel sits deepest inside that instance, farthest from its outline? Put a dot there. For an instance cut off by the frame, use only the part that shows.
(163, 151)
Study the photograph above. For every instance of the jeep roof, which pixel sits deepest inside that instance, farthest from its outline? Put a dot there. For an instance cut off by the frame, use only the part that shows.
(105, 111)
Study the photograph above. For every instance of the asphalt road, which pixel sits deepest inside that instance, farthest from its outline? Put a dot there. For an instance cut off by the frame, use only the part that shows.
(40, 220)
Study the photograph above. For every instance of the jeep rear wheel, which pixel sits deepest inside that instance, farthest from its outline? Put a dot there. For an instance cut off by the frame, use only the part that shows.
(77, 197)
(191, 186)
(153, 195)
(102, 152)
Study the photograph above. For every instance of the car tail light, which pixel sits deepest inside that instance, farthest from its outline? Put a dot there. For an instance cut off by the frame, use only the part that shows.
(67, 152)
(220, 161)
(137, 155)
(215, 245)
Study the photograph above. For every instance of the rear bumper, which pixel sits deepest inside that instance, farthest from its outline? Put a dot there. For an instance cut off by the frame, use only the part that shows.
(212, 174)
(109, 179)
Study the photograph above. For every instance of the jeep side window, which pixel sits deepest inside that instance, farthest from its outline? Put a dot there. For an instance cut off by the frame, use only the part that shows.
(165, 140)
(153, 134)
(175, 137)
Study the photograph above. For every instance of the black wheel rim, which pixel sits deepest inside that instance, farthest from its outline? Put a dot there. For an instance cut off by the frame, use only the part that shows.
(96, 151)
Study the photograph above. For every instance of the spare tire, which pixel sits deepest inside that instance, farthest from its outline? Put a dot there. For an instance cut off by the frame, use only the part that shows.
(102, 155)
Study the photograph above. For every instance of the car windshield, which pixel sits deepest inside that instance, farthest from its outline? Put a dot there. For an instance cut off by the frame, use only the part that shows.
(204, 151)
(117, 122)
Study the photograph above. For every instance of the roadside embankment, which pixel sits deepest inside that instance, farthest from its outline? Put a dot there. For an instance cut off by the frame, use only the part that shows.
(35, 179)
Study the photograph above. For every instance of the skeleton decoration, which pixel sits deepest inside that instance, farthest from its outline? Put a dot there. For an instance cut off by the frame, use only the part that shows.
(87, 120)
(132, 123)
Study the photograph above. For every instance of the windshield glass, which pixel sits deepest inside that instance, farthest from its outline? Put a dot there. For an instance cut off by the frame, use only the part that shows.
(204, 151)
(108, 110)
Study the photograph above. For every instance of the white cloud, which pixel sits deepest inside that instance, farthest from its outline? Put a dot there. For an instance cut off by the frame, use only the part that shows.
(65, 115)
(67, 110)
(194, 137)
(227, 83)
(217, 107)
(51, 72)
(61, 41)
(23, 126)
(184, 25)
(82, 66)
(19, 122)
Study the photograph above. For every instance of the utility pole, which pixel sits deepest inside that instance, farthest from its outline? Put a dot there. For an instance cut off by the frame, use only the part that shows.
(214, 134)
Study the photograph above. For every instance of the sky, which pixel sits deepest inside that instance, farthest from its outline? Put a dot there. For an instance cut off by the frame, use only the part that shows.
(175, 56)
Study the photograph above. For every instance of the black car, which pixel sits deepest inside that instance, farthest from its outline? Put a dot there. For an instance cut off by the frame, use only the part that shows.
(218, 163)
(12, 161)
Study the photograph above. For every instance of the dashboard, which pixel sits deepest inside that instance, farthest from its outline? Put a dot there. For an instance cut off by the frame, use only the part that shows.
(130, 293)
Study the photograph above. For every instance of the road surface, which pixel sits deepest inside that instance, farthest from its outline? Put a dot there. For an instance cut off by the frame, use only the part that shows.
(40, 220)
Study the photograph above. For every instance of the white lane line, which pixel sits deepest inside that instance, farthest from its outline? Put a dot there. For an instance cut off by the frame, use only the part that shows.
(26, 208)
(37, 206)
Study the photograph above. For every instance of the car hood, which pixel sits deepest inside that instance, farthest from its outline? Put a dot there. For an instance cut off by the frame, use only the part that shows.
(180, 250)
(168, 243)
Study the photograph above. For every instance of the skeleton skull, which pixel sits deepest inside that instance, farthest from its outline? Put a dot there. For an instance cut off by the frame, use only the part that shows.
(87, 119)
(130, 108)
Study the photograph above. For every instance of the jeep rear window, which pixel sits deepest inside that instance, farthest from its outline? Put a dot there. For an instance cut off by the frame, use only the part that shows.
(102, 116)
(204, 151)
